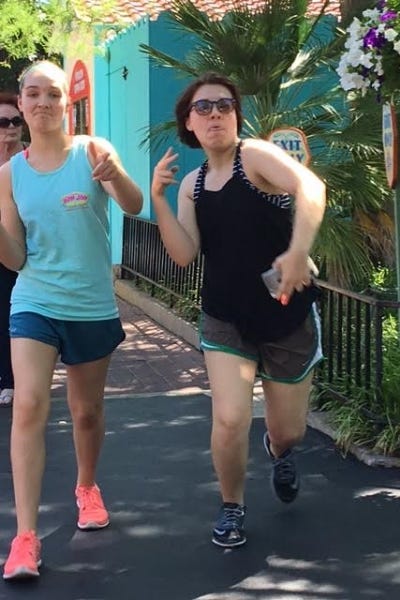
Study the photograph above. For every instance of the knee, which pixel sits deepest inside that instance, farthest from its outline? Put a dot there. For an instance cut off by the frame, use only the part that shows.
(286, 436)
(231, 426)
(87, 419)
(29, 414)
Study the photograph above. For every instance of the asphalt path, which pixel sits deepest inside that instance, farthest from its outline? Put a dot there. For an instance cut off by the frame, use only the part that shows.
(339, 541)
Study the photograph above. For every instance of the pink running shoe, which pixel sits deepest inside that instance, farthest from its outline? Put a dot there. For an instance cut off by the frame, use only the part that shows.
(24, 558)
(92, 512)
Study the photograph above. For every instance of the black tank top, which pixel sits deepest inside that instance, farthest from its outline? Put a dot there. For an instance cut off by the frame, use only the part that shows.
(242, 231)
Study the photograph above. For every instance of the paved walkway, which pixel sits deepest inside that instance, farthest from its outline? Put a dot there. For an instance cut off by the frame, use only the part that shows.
(151, 360)
(340, 540)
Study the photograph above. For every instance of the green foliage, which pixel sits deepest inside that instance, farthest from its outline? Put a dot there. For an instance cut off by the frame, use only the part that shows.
(22, 27)
(350, 425)
(31, 28)
(341, 248)
(391, 369)
(361, 420)
(184, 303)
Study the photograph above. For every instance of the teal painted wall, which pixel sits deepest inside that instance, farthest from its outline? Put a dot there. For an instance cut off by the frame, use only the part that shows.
(122, 110)
(165, 88)
(130, 94)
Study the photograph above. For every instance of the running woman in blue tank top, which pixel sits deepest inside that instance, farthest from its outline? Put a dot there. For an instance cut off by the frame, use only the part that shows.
(237, 209)
(54, 232)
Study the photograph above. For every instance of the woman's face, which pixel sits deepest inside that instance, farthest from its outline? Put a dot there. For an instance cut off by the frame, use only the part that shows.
(218, 128)
(9, 132)
(43, 99)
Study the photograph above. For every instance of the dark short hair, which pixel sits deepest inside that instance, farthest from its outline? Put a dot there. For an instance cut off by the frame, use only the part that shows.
(182, 106)
(9, 98)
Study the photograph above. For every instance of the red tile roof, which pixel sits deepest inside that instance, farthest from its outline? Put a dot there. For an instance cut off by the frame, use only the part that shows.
(132, 11)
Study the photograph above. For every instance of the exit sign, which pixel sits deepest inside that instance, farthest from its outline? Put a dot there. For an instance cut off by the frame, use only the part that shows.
(293, 141)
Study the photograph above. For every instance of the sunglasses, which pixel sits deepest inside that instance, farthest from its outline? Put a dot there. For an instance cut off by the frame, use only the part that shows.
(16, 121)
(204, 107)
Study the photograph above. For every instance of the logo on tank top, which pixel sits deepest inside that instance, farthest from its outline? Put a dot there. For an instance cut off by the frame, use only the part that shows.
(75, 200)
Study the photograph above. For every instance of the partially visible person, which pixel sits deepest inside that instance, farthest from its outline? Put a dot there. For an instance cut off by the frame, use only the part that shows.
(10, 143)
(248, 207)
(54, 232)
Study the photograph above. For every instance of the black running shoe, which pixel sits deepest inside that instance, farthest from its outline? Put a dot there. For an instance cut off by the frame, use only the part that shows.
(285, 480)
(228, 531)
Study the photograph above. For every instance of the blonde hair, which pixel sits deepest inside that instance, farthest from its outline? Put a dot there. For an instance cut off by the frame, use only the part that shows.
(43, 65)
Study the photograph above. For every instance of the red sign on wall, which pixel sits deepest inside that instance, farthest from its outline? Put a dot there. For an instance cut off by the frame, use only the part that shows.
(79, 112)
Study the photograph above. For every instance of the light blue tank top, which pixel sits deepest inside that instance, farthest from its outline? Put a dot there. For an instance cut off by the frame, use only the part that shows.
(68, 272)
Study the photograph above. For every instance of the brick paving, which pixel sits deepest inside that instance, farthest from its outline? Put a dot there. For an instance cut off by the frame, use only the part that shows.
(151, 360)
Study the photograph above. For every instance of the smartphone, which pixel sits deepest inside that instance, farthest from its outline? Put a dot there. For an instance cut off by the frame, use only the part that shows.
(272, 277)
(272, 280)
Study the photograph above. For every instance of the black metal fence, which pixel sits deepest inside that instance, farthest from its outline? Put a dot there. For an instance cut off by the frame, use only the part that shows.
(351, 322)
(352, 334)
(144, 259)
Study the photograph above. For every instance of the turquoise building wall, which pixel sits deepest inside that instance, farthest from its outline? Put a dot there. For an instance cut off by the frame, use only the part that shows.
(131, 93)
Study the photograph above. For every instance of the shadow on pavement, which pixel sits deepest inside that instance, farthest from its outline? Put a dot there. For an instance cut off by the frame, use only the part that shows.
(339, 541)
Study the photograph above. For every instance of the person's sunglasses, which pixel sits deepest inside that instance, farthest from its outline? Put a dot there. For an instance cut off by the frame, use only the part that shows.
(204, 107)
(16, 121)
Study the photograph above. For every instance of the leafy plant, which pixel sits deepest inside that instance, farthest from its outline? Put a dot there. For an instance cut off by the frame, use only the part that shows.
(358, 419)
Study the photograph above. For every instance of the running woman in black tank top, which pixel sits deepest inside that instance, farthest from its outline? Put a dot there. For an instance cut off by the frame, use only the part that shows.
(250, 206)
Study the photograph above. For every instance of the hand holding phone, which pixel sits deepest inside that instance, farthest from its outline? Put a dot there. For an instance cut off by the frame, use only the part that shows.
(272, 280)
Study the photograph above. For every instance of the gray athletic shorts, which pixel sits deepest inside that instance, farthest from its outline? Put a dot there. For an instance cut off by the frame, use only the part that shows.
(288, 360)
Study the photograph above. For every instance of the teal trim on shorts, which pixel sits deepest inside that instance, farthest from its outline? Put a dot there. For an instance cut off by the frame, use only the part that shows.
(204, 345)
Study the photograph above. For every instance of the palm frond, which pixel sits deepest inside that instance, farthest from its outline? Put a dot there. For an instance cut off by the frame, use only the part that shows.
(157, 136)
(342, 254)
(165, 60)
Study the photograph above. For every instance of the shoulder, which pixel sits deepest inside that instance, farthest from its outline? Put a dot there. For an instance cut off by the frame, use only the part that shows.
(189, 181)
(265, 158)
(258, 148)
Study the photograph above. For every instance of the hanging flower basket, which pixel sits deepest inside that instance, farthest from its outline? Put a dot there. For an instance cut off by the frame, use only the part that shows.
(371, 61)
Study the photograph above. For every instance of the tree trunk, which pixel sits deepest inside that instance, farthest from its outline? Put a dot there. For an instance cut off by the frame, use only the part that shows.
(352, 8)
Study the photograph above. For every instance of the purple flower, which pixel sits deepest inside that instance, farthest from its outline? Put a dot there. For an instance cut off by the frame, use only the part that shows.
(388, 16)
(381, 4)
(374, 39)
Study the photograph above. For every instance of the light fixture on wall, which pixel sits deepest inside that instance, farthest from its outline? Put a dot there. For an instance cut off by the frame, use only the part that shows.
(125, 73)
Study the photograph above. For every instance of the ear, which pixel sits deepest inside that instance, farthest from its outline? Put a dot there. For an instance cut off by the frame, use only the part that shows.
(188, 125)
(19, 103)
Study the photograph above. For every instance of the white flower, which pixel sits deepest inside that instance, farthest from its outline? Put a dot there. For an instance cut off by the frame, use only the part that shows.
(354, 28)
(371, 13)
(366, 60)
(390, 34)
